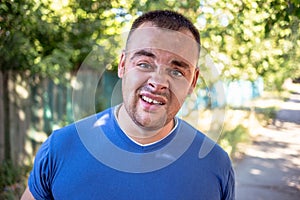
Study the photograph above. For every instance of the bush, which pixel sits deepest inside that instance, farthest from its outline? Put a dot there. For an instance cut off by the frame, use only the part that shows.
(230, 139)
(266, 116)
(13, 180)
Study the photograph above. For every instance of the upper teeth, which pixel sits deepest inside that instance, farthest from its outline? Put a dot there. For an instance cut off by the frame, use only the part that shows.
(151, 100)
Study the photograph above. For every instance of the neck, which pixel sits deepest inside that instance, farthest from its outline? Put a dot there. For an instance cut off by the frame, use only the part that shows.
(138, 133)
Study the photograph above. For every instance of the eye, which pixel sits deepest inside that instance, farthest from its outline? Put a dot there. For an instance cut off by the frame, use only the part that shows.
(145, 66)
(176, 73)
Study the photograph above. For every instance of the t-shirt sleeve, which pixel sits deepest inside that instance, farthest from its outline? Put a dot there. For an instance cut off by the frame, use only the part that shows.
(39, 181)
(229, 192)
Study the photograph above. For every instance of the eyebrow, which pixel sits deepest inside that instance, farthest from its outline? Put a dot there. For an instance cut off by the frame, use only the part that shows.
(152, 55)
(143, 53)
(180, 64)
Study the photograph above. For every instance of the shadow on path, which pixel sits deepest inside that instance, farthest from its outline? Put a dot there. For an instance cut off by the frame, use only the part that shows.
(271, 167)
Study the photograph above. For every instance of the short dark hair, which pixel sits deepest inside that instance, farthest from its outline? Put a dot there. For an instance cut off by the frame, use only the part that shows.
(167, 19)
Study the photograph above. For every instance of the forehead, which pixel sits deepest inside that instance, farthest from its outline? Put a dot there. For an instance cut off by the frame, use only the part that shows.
(180, 43)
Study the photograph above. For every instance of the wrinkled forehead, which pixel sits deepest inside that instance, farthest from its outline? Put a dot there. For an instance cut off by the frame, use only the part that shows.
(179, 43)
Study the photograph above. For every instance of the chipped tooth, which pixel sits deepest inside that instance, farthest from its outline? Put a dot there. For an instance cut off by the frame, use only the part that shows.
(156, 102)
(149, 100)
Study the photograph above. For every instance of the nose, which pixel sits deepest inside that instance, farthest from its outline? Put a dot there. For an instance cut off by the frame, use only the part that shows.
(158, 82)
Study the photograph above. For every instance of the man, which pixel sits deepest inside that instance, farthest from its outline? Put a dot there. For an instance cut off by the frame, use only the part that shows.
(139, 149)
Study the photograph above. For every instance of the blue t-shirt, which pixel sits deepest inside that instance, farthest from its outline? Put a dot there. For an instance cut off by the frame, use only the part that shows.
(94, 159)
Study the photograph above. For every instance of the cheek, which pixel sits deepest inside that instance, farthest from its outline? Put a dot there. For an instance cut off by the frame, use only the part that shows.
(178, 97)
(180, 90)
(132, 81)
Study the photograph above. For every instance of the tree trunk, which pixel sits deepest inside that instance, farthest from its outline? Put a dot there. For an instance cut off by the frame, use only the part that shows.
(6, 122)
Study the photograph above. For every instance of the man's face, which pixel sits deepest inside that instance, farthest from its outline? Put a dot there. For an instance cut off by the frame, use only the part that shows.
(157, 75)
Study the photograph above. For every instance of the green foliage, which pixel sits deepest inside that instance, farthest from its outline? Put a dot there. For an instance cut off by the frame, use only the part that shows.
(252, 38)
(246, 39)
(230, 139)
(12, 182)
(266, 116)
(50, 38)
(189, 7)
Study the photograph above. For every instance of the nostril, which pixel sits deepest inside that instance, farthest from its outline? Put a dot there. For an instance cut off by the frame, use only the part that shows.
(152, 85)
(157, 86)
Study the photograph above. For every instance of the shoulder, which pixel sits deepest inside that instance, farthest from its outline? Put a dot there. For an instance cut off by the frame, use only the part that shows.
(72, 132)
(65, 142)
(208, 161)
(205, 147)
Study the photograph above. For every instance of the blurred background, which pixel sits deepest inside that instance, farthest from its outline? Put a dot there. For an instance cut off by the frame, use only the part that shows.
(253, 44)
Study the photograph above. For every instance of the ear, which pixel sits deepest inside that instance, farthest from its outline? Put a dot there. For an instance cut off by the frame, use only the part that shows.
(121, 65)
(194, 82)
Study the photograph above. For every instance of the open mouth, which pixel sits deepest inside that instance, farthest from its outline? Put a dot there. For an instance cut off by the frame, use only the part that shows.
(151, 101)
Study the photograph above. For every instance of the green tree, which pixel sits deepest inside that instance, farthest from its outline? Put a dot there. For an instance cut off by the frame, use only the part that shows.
(252, 38)
(46, 39)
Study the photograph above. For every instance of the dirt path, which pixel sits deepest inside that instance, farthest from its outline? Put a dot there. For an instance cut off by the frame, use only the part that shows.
(271, 167)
